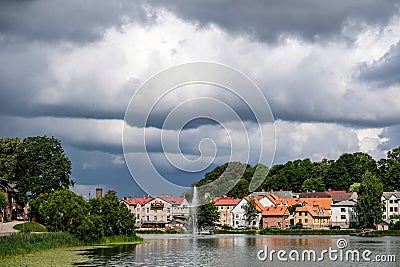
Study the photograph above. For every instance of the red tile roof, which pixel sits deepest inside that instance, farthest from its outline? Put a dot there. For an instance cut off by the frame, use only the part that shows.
(325, 203)
(259, 206)
(275, 211)
(226, 201)
(173, 200)
(138, 200)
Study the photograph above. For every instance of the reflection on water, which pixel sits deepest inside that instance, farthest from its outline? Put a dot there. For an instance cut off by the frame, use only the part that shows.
(233, 250)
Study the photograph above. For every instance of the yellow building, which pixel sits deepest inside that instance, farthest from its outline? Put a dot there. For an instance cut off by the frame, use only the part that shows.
(312, 216)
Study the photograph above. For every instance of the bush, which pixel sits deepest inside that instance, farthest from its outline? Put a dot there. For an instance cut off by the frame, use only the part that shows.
(29, 227)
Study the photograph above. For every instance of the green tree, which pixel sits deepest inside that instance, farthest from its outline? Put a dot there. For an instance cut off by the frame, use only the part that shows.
(369, 206)
(207, 214)
(313, 184)
(354, 187)
(8, 157)
(250, 211)
(42, 167)
(111, 215)
(62, 210)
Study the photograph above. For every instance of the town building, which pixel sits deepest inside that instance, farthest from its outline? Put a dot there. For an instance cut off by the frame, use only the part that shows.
(391, 205)
(159, 212)
(239, 214)
(275, 217)
(312, 216)
(225, 205)
(9, 190)
(343, 214)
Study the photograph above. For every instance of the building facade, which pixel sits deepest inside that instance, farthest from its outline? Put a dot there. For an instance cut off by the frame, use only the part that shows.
(343, 214)
(391, 205)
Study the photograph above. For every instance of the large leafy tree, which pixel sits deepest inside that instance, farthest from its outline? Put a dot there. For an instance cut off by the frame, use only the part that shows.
(250, 211)
(42, 167)
(369, 207)
(389, 170)
(207, 214)
(8, 157)
(349, 169)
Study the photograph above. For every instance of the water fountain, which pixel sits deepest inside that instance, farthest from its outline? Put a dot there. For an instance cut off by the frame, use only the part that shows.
(193, 212)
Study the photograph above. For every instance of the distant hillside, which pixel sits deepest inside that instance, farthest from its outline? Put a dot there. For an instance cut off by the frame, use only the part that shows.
(304, 175)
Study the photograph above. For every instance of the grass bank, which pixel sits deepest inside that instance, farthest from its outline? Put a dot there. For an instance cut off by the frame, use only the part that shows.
(66, 256)
(383, 233)
(24, 243)
(224, 231)
(29, 227)
(267, 231)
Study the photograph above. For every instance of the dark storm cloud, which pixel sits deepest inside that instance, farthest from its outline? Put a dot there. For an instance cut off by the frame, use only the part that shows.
(384, 72)
(72, 20)
(267, 20)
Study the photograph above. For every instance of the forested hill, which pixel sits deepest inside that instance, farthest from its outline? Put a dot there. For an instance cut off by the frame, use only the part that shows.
(303, 175)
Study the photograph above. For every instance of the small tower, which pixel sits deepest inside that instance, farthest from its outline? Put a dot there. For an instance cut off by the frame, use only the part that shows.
(99, 192)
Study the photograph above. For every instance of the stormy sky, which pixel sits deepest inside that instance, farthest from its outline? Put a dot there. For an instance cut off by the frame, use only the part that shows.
(328, 69)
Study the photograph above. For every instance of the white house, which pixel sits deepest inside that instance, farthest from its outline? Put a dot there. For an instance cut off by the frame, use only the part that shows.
(343, 214)
(391, 205)
(239, 216)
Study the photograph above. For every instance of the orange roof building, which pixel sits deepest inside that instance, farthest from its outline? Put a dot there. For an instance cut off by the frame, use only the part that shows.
(225, 204)
(275, 217)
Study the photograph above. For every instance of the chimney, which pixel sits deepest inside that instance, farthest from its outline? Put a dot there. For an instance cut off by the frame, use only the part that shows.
(99, 192)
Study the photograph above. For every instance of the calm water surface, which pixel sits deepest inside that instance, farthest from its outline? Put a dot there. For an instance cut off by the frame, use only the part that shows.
(240, 250)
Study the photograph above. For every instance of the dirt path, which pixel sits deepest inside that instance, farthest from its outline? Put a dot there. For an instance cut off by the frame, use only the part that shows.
(7, 228)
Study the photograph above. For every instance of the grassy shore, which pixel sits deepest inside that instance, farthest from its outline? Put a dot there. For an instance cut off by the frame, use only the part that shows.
(29, 227)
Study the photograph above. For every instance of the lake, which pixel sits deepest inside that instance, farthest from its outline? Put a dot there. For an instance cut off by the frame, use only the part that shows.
(248, 250)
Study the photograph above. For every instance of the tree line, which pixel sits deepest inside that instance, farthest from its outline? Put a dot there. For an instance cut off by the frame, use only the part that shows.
(303, 175)
(41, 171)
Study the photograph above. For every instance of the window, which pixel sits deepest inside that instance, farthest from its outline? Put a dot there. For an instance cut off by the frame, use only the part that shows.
(343, 210)
(306, 221)
(391, 201)
(148, 218)
(147, 210)
(168, 210)
(384, 208)
(396, 201)
(237, 216)
(299, 220)
(391, 209)
(384, 217)
(138, 216)
(237, 222)
(155, 218)
(224, 215)
(227, 208)
(395, 209)
(343, 217)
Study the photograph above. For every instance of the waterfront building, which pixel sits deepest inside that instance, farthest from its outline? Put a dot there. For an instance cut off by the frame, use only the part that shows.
(343, 214)
(239, 214)
(225, 205)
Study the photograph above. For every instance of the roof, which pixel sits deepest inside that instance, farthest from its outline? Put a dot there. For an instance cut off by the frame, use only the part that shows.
(280, 194)
(173, 200)
(275, 211)
(325, 203)
(341, 195)
(259, 206)
(314, 211)
(314, 195)
(226, 201)
(347, 203)
(289, 201)
(387, 195)
(138, 200)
